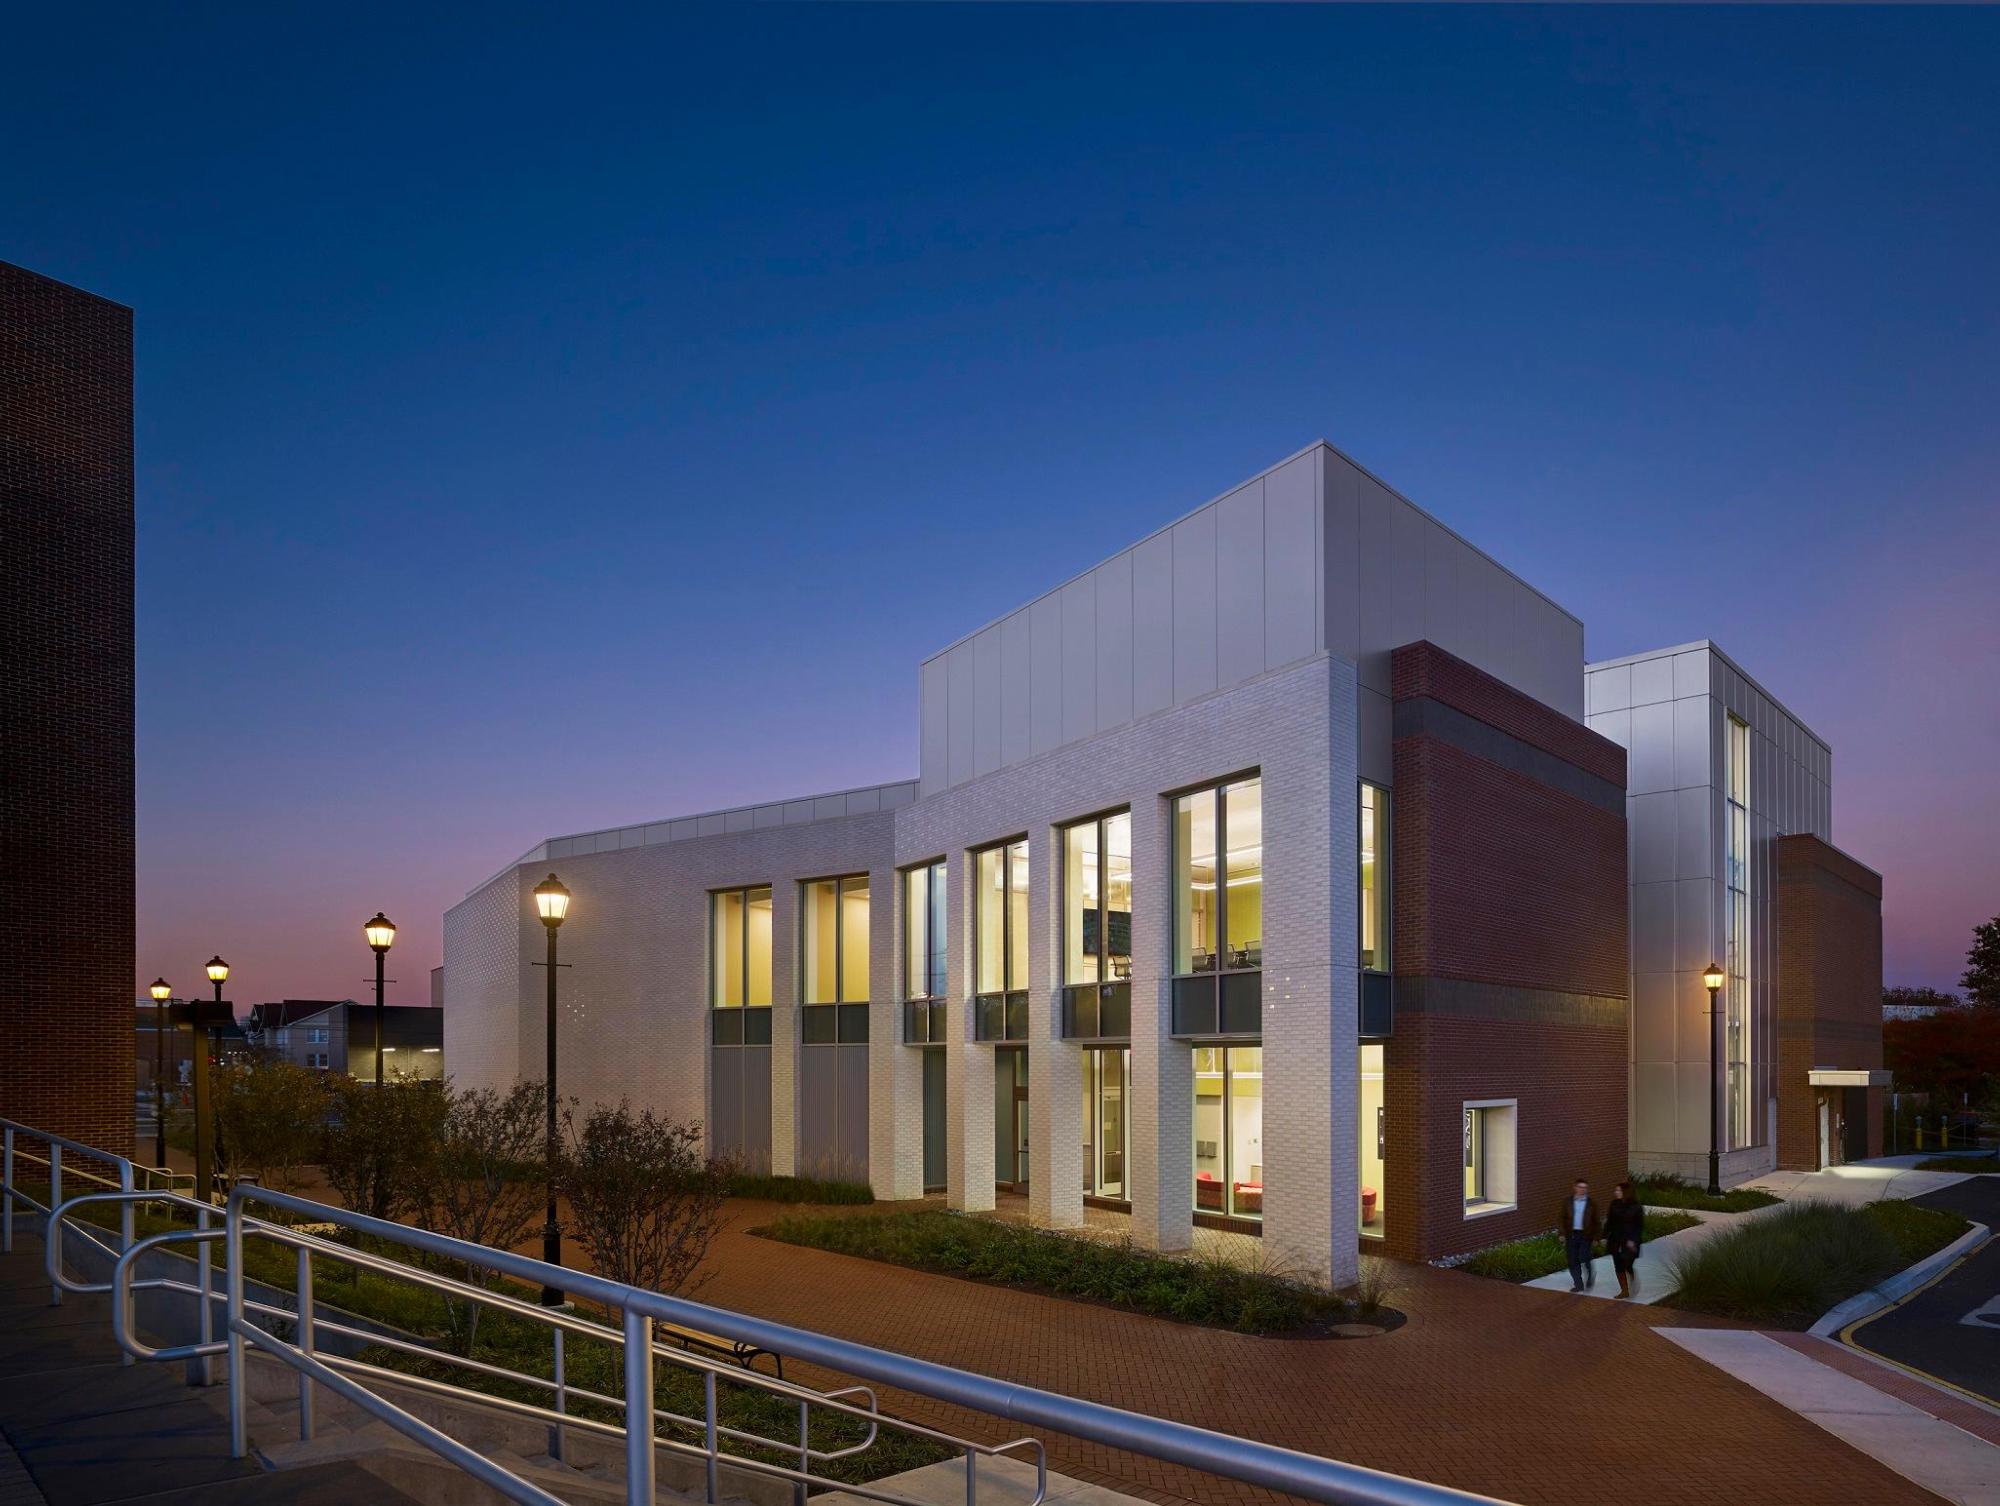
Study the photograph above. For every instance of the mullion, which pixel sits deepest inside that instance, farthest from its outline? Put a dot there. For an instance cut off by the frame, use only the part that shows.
(1221, 927)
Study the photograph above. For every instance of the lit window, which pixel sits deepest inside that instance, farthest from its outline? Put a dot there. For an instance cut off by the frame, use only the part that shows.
(834, 945)
(1218, 910)
(1488, 1152)
(1374, 878)
(1000, 943)
(924, 954)
(1097, 928)
(740, 956)
(1736, 1009)
(1229, 1131)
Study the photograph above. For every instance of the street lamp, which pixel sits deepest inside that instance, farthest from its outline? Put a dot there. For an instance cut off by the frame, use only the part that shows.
(204, 1113)
(1712, 979)
(552, 905)
(381, 934)
(161, 990)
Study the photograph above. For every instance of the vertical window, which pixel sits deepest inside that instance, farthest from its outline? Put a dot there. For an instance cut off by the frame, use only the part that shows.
(1373, 1127)
(1097, 927)
(1218, 909)
(739, 970)
(1000, 942)
(834, 950)
(1487, 1150)
(1374, 878)
(1737, 1005)
(1229, 1131)
(923, 954)
(1106, 1132)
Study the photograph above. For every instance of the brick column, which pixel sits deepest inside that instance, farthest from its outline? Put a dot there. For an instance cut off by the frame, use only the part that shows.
(895, 1071)
(784, 1026)
(1055, 1067)
(968, 1082)
(1161, 1098)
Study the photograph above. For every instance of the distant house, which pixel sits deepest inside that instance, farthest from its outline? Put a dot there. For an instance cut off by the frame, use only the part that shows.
(175, 1053)
(338, 1035)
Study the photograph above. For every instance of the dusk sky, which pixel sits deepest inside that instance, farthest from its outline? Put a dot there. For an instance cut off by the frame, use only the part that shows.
(549, 420)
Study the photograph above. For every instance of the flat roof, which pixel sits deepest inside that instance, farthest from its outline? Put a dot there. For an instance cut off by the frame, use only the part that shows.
(1714, 648)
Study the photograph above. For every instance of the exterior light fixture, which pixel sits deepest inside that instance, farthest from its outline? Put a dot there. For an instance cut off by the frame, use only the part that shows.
(381, 934)
(551, 902)
(552, 905)
(1712, 979)
(218, 974)
(161, 990)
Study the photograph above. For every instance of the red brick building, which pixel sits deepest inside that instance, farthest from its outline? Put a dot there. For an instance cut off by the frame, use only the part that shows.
(66, 801)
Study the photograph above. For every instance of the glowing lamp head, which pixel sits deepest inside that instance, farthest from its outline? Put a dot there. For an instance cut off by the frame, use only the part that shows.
(161, 990)
(381, 932)
(551, 901)
(1711, 978)
(218, 970)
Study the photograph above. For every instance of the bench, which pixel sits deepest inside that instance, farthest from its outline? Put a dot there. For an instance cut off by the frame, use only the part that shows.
(733, 1350)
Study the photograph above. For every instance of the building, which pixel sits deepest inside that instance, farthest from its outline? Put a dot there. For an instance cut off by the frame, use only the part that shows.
(1265, 876)
(66, 592)
(338, 1035)
(1730, 805)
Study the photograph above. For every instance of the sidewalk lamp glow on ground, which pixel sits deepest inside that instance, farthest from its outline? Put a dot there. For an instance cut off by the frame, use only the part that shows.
(552, 905)
(1712, 979)
(381, 934)
(161, 990)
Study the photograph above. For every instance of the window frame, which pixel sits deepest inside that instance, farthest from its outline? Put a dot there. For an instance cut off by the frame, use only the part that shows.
(715, 898)
(924, 1013)
(1490, 1205)
(1083, 1014)
(839, 1020)
(1012, 1009)
(1183, 997)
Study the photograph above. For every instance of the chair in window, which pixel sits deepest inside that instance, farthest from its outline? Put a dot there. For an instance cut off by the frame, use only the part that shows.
(1208, 1191)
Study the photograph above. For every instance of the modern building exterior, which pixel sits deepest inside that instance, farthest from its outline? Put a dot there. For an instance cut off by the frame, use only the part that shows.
(1730, 803)
(338, 1035)
(66, 580)
(1266, 876)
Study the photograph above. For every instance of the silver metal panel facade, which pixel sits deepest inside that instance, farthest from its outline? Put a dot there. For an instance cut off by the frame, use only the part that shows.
(1670, 709)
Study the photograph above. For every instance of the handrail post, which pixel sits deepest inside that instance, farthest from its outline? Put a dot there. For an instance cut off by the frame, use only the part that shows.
(126, 1210)
(55, 1202)
(562, 1400)
(239, 1431)
(7, 1197)
(201, 1369)
(305, 1340)
(638, 1409)
(971, 1476)
(805, 1452)
(708, 1431)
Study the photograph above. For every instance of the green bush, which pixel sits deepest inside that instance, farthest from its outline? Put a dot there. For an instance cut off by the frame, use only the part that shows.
(1543, 1254)
(1789, 1267)
(1988, 1162)
(1664, 1190)
(798, 1189)
(1212, 1292)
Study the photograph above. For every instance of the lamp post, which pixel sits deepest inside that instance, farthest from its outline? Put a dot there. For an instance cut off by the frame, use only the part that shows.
(161, 990)
(204, 1112)
(381, 934)
(1711, 979)
(552, 904)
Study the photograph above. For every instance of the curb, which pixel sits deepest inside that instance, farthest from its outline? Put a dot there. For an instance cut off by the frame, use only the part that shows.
(1867, 1304)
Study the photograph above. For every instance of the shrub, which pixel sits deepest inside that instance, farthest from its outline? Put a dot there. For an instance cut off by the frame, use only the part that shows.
(1791, 1266)
(1543, 1254)
(377, 1142)
(268, 1116)
(1986, 1163)
(1213, 1292)
(643, 1198)
(1665, 1190)
(798, 1189)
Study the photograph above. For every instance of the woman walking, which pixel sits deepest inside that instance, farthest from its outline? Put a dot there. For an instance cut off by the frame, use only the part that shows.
(1624, 1232)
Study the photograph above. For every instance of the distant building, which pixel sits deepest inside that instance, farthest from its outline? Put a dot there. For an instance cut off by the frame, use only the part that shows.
(175, 1053)
(66, 795)
(437, 986)
(338, 1035)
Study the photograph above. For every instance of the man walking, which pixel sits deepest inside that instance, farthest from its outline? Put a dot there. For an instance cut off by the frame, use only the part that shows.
(1577, 1227)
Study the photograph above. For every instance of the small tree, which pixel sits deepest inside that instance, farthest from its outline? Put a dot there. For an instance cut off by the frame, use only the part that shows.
(485, 1181)
(1982, 965)
(378, 1140)
(644, 1199)
(268, 1118)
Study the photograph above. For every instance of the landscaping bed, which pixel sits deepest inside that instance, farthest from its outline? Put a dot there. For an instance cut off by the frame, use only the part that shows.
(1667, 1191)
(1214, 1293)
(1990, 1161)
(1788, 1268)
(1543, 1255)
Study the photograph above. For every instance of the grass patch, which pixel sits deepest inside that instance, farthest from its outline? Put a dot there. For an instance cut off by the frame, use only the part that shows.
(1990, 1161)
(799, 1190)
(1664, 1190)
(1212, 1292)
(524, 1345)
(1543, 1255)
(1790, 1267)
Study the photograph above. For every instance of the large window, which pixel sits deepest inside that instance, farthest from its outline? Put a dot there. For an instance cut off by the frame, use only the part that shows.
(924, 954)
(1229, 1131)
(1373, 878)
(1097, 928)
(834, 950)
(1107, 1142)
(1218, 864)
(739, 959)
(1737, 1005)
(1000, 942)
(1487, 1149)
(1373, 1149)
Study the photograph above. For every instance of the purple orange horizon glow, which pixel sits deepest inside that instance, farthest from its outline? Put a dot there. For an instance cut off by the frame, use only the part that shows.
(538, 436)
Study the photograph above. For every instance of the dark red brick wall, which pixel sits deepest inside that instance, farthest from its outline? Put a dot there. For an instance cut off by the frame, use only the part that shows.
(1829, 985)
(1502, 880)
(66, 954)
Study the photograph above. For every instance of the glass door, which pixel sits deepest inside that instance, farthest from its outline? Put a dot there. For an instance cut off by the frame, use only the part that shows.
(1010, 1117)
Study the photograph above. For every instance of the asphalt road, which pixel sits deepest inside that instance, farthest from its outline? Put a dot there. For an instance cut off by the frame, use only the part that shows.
(1951, 1329)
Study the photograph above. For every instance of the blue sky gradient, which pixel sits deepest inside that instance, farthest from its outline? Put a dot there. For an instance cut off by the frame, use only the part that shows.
(551, 420)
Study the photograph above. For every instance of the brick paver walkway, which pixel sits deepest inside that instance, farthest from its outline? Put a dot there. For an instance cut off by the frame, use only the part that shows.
(1528, 1395)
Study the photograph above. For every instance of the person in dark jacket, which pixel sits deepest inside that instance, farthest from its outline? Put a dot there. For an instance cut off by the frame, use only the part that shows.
(1624, 1232)
(1577, 1226)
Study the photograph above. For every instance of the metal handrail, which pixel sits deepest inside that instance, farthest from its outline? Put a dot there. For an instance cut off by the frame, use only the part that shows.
(57, 1144)
(1329, 1481)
